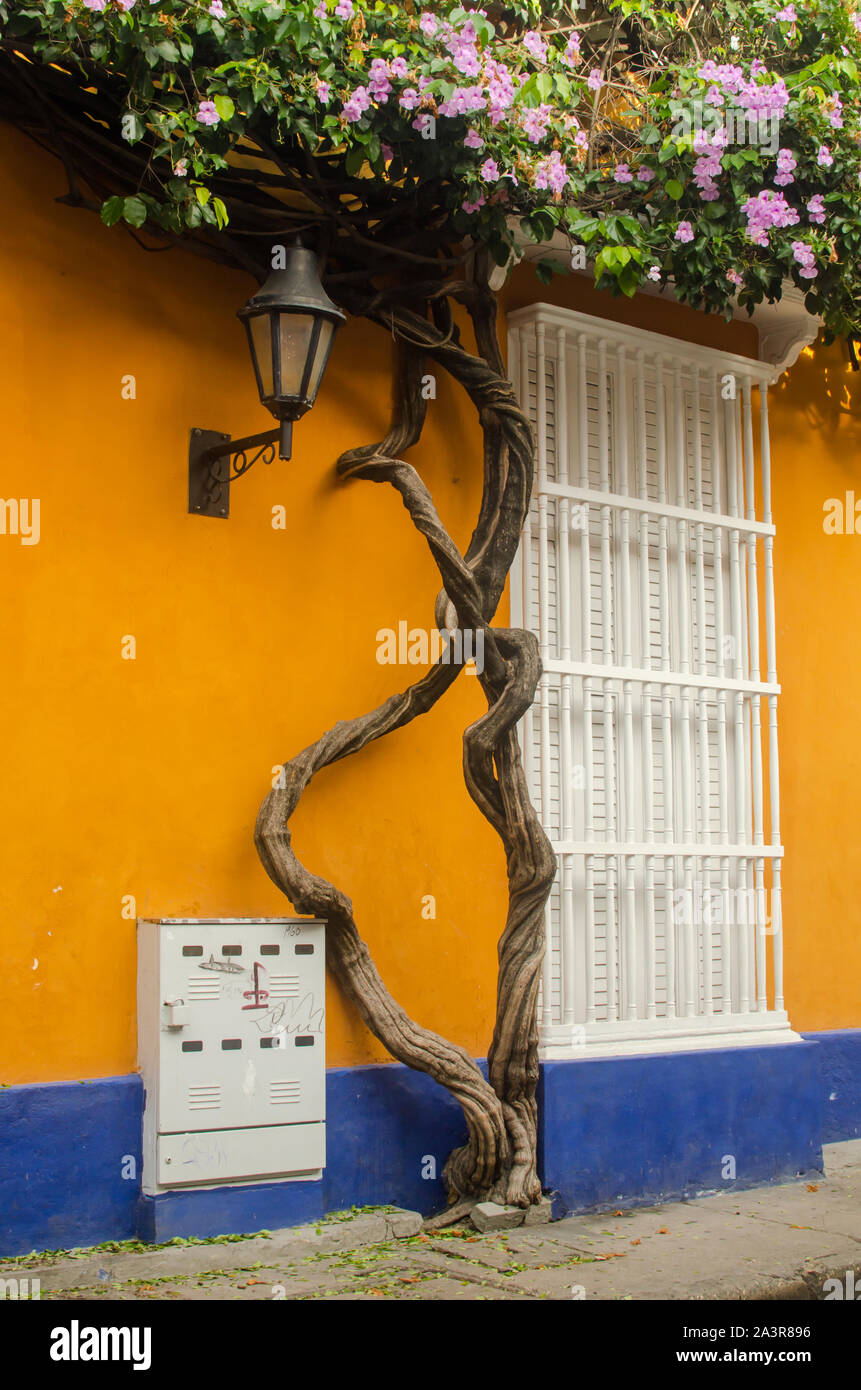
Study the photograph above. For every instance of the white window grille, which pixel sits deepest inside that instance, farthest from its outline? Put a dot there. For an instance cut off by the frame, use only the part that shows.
(646, 571)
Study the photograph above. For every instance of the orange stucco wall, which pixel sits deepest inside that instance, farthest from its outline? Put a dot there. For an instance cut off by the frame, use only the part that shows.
(143, 777)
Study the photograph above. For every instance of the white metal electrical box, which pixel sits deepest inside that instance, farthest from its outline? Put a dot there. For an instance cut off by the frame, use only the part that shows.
(232, 1049)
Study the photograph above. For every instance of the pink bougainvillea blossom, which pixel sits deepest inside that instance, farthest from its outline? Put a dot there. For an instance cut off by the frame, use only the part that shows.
(684, 232)
(764, 211)
(207, 113)
(428, 24)
(816, 208)
(535, 120)
(786, 162)
(490, 171)
(472, 140)
(571, 53)
(552, 173)
(356, 104)
(824, 158)
(536, 45)
(806, 259)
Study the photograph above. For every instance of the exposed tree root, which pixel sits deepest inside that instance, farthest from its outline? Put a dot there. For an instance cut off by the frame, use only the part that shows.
(498, 1162)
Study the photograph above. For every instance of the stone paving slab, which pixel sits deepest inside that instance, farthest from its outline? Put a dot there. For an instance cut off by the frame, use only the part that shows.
(766, 1243)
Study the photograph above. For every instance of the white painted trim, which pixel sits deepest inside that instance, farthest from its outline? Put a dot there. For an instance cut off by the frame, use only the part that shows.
(573, 321)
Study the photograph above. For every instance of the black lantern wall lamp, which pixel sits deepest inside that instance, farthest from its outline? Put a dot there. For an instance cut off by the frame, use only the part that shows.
(291, 324)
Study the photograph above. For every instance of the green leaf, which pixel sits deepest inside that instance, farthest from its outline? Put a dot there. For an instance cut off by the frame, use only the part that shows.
(168, 50)
(355, 159)
(202, 195)
(224, 106)
(674, 189)
(134, 211)
(112, 211)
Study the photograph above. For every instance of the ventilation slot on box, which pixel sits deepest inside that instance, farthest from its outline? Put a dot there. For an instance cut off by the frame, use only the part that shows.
(285, 1092)
(284, 986)
(204, 1097)
(201, 988)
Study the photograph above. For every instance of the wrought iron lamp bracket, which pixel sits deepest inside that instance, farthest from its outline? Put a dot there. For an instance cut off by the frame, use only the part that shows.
(215, 461)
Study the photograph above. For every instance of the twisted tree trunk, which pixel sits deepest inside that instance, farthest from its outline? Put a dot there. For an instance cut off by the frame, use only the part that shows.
(499, 1159)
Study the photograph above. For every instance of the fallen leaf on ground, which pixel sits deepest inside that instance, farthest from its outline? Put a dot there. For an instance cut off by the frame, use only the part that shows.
(637, 1241)
(662, 1231)
(612, 1255)
(813, 1187)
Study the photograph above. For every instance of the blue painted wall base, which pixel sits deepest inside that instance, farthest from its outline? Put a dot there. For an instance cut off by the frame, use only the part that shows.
(617, 1131)
(623, 1131)
(840, 1063)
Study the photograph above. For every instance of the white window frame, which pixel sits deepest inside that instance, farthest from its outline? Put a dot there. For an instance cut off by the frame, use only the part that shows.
(677, 526)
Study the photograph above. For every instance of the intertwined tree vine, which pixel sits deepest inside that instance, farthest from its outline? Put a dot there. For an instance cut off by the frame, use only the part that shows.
(707, 145)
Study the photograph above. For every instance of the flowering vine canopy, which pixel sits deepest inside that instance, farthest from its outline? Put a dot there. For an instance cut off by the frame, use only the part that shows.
(713, 145)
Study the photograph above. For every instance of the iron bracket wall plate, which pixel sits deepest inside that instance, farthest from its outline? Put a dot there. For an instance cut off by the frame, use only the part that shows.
(215, 461)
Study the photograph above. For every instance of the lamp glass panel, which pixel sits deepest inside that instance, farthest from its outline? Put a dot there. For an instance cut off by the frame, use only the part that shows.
(295, 344)
(324, 342)
(261, 337)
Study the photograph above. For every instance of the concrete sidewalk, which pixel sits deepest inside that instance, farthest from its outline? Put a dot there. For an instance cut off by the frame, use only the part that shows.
(767, 1243)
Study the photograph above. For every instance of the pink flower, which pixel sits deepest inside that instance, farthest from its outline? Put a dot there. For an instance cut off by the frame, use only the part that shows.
(787, 15)
(595, 81)
(824, 158)
(535, 120)
(216, 9)
(768, 209)
(472, 140)
(684, 232)
(834, 107)
(734, 278)
(645, 174)
(473, 207)
(356, 104)
(95, 4)
(654, 272)
(409, 99)
(816, 208)
(786, 162)
(428, 24)
(320, 10)
(399, 68)
(322, 89)
(622, 174)
(388, 152)
(535, 44)
(344, 9)
(571, 54)
(552, 173)
(806, 259)
(180, 168)
(490, 171)
(207, 114)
